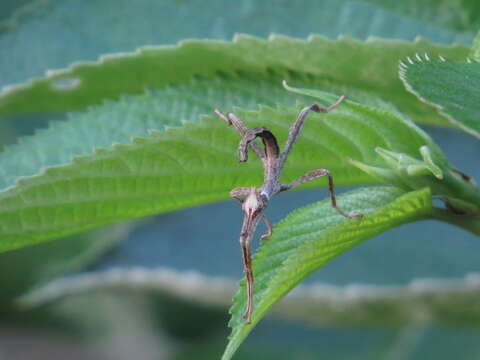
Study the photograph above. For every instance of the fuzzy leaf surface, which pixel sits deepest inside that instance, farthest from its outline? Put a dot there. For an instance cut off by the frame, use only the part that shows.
(429, 169)
(357, 65)
(50, 34)
(136, 116)
(451, 87)
(312, 236)
(176, 168)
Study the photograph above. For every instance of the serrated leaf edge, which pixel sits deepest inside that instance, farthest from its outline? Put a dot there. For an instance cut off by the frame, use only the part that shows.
(403, 67)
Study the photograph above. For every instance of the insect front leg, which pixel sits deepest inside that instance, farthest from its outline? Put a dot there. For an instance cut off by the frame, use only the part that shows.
(298, 124)
(237, 123)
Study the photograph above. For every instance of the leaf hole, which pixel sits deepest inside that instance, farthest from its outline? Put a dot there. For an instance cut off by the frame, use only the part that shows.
(64, 84)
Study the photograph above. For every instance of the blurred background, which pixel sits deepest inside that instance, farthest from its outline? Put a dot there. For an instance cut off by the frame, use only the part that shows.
(160, 287)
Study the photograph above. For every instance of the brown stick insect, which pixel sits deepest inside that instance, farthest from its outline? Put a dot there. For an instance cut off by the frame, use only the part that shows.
(255, 200)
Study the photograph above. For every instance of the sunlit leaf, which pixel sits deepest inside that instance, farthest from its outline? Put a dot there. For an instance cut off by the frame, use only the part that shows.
(312, 236)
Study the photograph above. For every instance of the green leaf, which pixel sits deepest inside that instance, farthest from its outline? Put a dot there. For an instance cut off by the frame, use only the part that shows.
(369, 66)
(459, 192)
(50, 34)
(36, 265)
(441, 301)
(410, 173)
(135, 116)
(433, 158)
(176, 168)
(475, 51)
(310, 237)
(448, 86)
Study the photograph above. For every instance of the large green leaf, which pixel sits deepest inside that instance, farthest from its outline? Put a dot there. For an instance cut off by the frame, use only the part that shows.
(49, 34)
(449, 86)
(429, 168)
(136, 115)
(133, 116)
(310, 237)
(179, 167)
(367, 66)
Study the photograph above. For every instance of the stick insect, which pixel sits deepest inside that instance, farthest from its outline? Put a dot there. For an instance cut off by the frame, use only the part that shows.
(254, 200)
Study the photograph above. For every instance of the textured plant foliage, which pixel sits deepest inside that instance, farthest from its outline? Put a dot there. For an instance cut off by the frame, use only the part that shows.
(135, 152)
(50, 34)
(84, 84)
(310, 237)
(449, 86)
(426, 167)
(179, 167)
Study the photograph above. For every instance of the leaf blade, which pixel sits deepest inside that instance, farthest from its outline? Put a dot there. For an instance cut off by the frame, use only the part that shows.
(321, 246)
(449, 87)
(181, 166)
(130, 73)
(59, 32)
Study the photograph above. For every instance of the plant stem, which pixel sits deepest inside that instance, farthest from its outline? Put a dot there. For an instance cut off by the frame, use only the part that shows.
(470, 223)
(458, 188)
